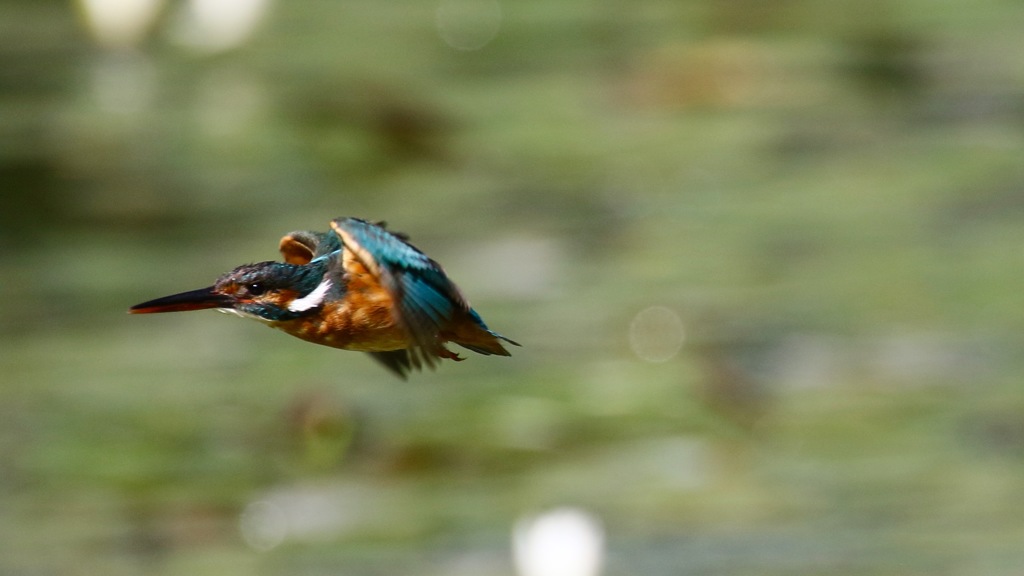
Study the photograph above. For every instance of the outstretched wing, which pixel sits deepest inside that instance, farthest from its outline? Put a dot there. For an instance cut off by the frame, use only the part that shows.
(302, 246)
(425, 299)
(298, 247)
(395, 360)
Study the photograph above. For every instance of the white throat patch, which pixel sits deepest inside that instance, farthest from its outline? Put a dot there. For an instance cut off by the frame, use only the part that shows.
(241, 314)
(313, 299)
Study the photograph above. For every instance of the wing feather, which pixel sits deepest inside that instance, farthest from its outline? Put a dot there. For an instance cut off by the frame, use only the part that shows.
(298, 247)
(426, 300)
(397, 361)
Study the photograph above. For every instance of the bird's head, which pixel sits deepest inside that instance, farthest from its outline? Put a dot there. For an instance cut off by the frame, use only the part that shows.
(268, 291)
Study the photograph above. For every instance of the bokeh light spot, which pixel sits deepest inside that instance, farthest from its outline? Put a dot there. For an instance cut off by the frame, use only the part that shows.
(656, 334)
(263, 525)
(468, 24)
(560, 542)
(119, 23)
(217, 25)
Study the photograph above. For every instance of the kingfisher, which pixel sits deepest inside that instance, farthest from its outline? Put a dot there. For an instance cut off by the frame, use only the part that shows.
(358, 287)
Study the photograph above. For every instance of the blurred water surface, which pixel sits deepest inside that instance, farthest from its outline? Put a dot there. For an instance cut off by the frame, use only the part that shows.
(764, 258)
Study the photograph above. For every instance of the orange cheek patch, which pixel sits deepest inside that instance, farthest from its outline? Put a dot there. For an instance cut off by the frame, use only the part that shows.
(280, 298)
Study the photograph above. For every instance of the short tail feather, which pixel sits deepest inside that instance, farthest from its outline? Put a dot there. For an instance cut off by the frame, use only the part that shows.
(487, 346)
(474, 336)
(401, 362)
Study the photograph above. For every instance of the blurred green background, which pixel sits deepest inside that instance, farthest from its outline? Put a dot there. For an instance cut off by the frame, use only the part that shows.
(764, 259)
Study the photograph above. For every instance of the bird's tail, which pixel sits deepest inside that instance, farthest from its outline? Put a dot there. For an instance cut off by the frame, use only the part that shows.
(473, 334)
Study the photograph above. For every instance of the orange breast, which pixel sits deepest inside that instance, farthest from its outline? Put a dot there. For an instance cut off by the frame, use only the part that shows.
(363, 320)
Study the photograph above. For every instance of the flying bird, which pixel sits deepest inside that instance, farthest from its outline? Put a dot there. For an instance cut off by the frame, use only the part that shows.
(358, 287)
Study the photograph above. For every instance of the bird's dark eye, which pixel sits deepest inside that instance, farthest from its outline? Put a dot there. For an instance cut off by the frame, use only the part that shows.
(255, 289)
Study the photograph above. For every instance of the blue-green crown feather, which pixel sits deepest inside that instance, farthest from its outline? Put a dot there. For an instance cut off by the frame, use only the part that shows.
(256, 279)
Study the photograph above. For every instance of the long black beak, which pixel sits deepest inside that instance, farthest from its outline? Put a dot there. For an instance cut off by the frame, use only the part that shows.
(194, 300)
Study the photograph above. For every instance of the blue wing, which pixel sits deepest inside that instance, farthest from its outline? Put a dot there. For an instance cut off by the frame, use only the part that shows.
(426, 300)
